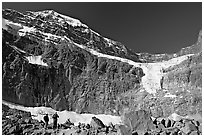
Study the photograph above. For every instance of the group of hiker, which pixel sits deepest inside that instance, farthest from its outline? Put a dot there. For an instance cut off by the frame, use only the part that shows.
(54, 117)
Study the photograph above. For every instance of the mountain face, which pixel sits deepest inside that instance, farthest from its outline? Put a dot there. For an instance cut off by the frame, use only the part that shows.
(56, 61)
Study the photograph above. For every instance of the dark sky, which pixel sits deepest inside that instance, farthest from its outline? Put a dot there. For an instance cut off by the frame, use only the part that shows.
(143, 27)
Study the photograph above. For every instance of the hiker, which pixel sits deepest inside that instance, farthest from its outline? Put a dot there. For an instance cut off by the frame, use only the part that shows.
(55, 116)
(161, 82)
(46, 119)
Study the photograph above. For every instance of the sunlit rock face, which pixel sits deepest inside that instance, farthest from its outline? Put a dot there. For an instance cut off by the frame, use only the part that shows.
(56, 61)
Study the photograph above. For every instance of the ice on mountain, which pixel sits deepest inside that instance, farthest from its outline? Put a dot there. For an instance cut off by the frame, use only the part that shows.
(175, 117)
(36, 60)
(95, 33)
(25, 29)
(85, 30)
(6, 23)
(16, 48)
(175, 61)
(169, 95)
(109, 42)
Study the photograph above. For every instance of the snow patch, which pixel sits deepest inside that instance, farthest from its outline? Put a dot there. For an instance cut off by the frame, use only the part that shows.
(36, 60)
(175, 117)
(109, 42)
(60, 17)
(6, 23)
(95, 33)
(39, 112)
(47, 36)
(25, 29)
(18, 49)
(175, 61)
(85, 30)
(169, 95)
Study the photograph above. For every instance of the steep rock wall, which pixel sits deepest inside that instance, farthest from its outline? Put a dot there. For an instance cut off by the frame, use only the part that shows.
(75, 80)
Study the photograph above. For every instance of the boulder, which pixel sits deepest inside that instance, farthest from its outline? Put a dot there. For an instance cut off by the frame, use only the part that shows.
(196, 123)
(6, 128)
(172, 122)
(37, 132)
(134, 133)
(172, 131)
(123, 130)
(67, 124)
(88, 126)
(160, 127)
(5, 108)
(47, 133)
(138, 121)
(163, 133)
(194, 133)
(178, 124)
(28, 120)
(21, 121)
(168, 123)
(25, 114)
(34, 121)
(101, 133)
(113, 133)
(155, 122)
(156, 130)
(96, 123)
(200, 128)
(189, 127)
(12, 130)
(111, 126)
(14, 119)
(15, 130)
(163, 121)
(180, 133)
(28, 131)
(4, 123)
(28, 126)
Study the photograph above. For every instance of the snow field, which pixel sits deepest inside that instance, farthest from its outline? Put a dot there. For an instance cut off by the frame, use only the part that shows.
(39, 112)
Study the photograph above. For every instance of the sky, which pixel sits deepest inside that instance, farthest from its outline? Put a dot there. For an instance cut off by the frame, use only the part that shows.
(141, 26)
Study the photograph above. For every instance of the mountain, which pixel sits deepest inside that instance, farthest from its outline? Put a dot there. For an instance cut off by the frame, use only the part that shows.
(53, 60)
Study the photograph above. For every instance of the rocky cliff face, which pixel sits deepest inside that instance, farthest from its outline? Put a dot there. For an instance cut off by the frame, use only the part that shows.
(53, 60)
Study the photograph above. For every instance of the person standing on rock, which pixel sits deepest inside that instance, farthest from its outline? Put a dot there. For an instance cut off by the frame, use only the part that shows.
(46, 119)
(55, 116)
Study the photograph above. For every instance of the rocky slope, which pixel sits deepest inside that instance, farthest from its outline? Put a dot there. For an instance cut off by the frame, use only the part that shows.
(16, 122)
(56, 61)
